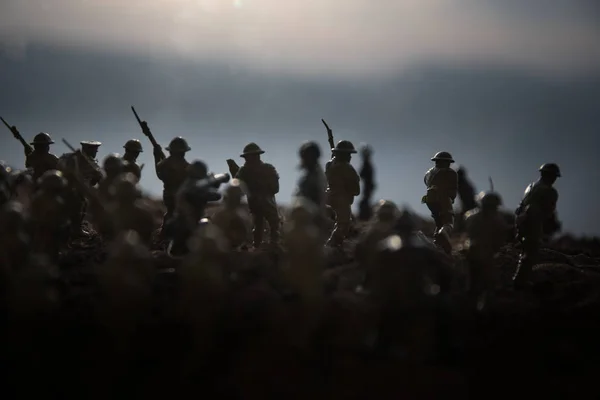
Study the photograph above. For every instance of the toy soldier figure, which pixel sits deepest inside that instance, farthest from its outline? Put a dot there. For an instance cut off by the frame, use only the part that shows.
(91, 174)
(486, 231)
(380, 227)
(313, 183)
(23, 187)
(40, 160)
(343, 184)
(50, 215)
(534, 218)
(172, 171)
(128, 211)
(5, 192)
(233, 219)
(261, 181)
(442, 187)
(113, 166)
(133, 148)
(466, 194)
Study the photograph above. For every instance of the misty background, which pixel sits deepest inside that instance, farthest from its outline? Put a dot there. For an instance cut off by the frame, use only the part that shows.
(503, 86)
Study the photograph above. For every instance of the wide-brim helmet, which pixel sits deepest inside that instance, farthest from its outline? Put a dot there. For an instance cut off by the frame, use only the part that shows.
(442, 156)
(250, 149)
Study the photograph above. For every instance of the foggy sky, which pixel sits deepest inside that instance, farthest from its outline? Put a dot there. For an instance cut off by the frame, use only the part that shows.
(500, 86)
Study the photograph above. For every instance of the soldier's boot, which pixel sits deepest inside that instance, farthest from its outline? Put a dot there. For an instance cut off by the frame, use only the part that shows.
(442, 239)
(257, 237)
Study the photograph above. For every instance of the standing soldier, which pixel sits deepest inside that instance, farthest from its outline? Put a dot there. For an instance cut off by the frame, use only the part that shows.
(133, 148)
(40, 160)
(343, 184)
(261, 181)
(442, 187)
(113, 166)
(486, 231)
(91, 174)
(172, 171)
(536, 217)
(313, 182)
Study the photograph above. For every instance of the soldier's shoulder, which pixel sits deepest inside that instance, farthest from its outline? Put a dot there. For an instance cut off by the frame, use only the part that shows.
(52, 157)
(269, 167)
(472, 214)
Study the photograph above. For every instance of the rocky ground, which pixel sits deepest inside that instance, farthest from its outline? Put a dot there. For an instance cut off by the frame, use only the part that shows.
(541, 342)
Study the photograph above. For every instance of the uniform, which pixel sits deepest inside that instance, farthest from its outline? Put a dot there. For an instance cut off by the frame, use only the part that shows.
(133, 148)
(233, 220)
(40, 160)
(343, 185)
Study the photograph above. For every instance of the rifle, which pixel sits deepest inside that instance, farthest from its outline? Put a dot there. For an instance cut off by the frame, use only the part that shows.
(329, 134)
(159, 155)
(233, 167)
(491, 183)
(17, 135)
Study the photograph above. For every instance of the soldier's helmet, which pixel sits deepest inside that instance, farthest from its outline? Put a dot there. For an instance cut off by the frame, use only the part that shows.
(52, 181)
(251, 148)
(178, 145)
(344, 146)
(92, 144)
(489, 200)
(551, 168)
(234, 191)
(125, 188)
(442, 156)
(310, 150)
(42, 138)
(134, 145)
(113, 164)
(366, 151)
(197, 170)
(461, 171)
(386, 210)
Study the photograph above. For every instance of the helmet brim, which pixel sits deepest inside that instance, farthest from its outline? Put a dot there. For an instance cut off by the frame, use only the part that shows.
(442, 159)
(185, 151)
(252, 152)
(334, 150)
(34, 143)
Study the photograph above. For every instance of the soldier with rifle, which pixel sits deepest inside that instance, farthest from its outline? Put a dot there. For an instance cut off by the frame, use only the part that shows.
(26, 146)
(40, 159)
(159, 155)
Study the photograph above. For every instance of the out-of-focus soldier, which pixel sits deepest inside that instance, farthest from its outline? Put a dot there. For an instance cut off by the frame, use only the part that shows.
(41, 160)
(442, 186)
(305, 263)
(313, 182)
(466, 194)
(535, 218)
(83, 161)
(261, 182)
(486, 234)
(133, 148)
(380, 227)
(113, 166)
(23, 187)
(128, 210)
(343, 185)
(408, 283)
(50, 215)
(15, 236)
(5, 184)
(172, 171)
(233, 219)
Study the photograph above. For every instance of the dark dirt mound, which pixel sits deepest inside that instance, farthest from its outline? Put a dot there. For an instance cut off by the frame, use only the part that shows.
(542, 341)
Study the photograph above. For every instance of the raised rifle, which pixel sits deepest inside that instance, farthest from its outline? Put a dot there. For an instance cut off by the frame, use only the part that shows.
(159, 154)
(329, 134)
(26, 146)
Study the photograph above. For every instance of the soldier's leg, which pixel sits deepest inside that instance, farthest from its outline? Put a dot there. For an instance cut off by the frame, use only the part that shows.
(445, 218)
(342, 224)
(258, 228)
(169, 202)
(527, 260)
(272, 217)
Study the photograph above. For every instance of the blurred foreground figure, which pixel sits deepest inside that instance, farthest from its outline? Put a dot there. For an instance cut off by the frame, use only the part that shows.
(23, 187)
(313, 183)
(194, 194)
(408, 284)
(381, 226)
(233, 219)
(535, 218)
(113, 166)
(367, 176)
(40, 160)
(128, 211)
(261, 181)
(172, 171)
(486, 232)
(50, 215)
(304, 267)
(442, 185)
(5, 184)
(343, 184)
(466, 194)
(15, 239)
(133, 148)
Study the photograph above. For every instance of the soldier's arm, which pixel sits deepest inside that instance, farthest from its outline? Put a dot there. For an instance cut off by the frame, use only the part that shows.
(160, 170)
(354, 180)
(53, 161)
(452, 184)
(273, 179)
(28, 161)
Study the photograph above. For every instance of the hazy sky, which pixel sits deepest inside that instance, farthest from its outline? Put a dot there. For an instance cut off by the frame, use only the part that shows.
(503, 85)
